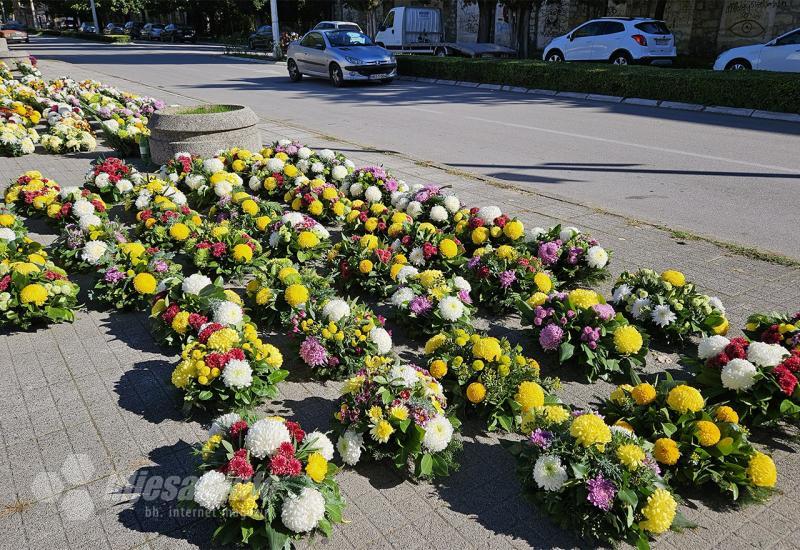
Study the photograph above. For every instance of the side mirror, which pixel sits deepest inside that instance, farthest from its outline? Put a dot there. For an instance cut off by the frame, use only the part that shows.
(570, 37)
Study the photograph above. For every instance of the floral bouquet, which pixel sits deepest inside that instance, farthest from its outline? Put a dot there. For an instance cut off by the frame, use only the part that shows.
(337, 340)
(228, 369)
(501, 276)
(112, 178)
(227, 252)
(376, 219)
(298, 237)
(396, 410)
(428, 203)
(667, 305)
(172, 230)
(267, 482)
(12, 229)
(216, 184)
(31, 194)
(187, 305)
(429, 303)
(184, 168)
(478, 227)
(125, 133)
(273, 177)
(331, 165)
(16, 140)
(79, 206)
(67, 138)
(244, 211)
(35, 290)
(583, 330)
(317, 198)
(574, 257)
(596, 480)
(28, 69)
(775, 328)
(157, 195)
(365, 263)
(280, 292)
(486, 374)
(239, 160)
(133, 277)
(697, 445)
(80, 250)
(428, 247)
(19, 113)
(373, 184)
(758, 379)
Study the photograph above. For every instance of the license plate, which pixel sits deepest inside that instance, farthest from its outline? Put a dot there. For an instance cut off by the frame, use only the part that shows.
(662, 41)
(378, 76)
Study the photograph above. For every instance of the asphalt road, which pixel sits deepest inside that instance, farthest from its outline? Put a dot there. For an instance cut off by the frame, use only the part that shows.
(731, 178)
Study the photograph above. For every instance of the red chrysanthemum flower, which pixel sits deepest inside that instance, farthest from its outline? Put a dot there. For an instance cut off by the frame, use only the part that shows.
(297, 432)
(786, 380)
(170, 313)
(239, 466)
(238, 428)
(196, 320)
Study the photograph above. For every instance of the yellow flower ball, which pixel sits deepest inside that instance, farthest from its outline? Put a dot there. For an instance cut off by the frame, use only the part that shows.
(725, 413)
(145, 283)
(707, 433)
(537, 299)
(495, 232)
(435, 342)
(761, 470)
(223, 340)
(315, 208)
(338, 208)
(438, 368)
(666, 451)
(291, 170)
(630, 455)
(722, 328)
(329, 193)
(659, 512)
(242, 499)
(242, 253)
(250, 207)
(620, 392)
(26, 268)
(627, 340)
(365, 266)
(7, 220)
(219, 231)
(480, 235)
(623, 424)
(643, 394)
(317, 467)
(34, 294)
(673, 277)
(369, 242)
(543, 282)
(448, 248)
(487, 348)
(180, 323)
(285, 273)
(307, 239)
(179, 231)
(296, 295)
(589, 429)
(476, 392)
(684, 399)
(262, 222)
(514, 230)
(529, 395)
(238, 165)
(582, 298)
(430, 277)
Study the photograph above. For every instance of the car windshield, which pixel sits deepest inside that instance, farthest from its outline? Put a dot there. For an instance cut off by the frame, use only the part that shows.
(343, 39)
(653, 27)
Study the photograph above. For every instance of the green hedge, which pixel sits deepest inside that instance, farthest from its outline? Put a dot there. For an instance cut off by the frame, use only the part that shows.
(752, 90)
(110, 38)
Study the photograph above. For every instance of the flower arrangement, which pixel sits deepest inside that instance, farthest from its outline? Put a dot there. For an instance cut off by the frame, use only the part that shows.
(774, 328)
(583, 330)
(185, 169)
(696, 444)
(239, 160)
(478, 227)
(273, 176)
(572, 256)
(79, 206)
(667, 305)
(372, 183)
(133, 277)
(35, 290)
(396, 410)
(317, 198)
(758, 379)
(171, 230)
(67, 137)
(112, 178)
(228, 369)
(428, 247)
(501, 276)
(212, 184)
(429, 302)
(336, 340)
(80, 250)
(429, 203)
(267, 482)
(16, 140)
(31, 194)
(596, 480)
(229, 252)
(486, 374)
(298, 237)
(155, 194)
(365, 263)
(245, 211)
(124, 133)
(19, 113)
(12, 229)
(376, 219)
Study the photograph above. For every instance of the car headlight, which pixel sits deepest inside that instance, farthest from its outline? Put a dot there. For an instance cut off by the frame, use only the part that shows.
(354, 60)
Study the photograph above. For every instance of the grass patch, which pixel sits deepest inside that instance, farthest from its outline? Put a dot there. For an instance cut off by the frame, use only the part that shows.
(205, 110)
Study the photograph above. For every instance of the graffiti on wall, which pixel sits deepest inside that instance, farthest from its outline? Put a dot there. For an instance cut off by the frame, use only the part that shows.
(553, 21)
(746, 21)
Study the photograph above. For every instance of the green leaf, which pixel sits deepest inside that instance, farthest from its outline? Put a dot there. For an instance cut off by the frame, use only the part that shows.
(668, 429)
(205, 395)
(565, 352)
(628, 496)
(426, 465)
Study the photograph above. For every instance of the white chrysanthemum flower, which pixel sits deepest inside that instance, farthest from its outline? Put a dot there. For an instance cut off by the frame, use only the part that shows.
(402, 296)
(461, 283)
(417, 256)
(228, 313)
(326, 154)
(302, 165)
(320, 443)
(178, 197)
(438, 433)
(639, 307)
(711, 346)
(301, 180)
(237, 374)
(112, 125)
(372, 193)
(438, 213)
(403, 375)
(222, 424)
(137, 177)
(92, 220)
(339, 173)
(349, 446)
(662, 315)
(7, 234)
(265, 436)
(568, 232)
(223, 188)
(301, 513)
(382, 340)
(320, 231)
(194, 181)
(489, 213)
(101, 180)
(533, 235)
(549, 474)
(161, 286)
(414, 209)
(82, 207)
(254, 183)
(596, 257)
(194, 283)
(317, 167)
(275, 165)
(766, 355)
(173, 177)
(349, 164)
(452, 203)
(620, 293)
(293, 218)
(274, 239)
(451, 308)
(405, 272)
(284, 142)
(304, 153)
(716, 303)
(335, 310)
(211, 490)
(738, 374)
(356, 190)
(213, 165)
(402, 203)
(93, 251)
(124, 186)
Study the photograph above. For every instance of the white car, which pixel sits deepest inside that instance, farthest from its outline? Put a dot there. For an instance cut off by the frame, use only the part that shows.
(337, 26)
(618, 40)
(781, 54)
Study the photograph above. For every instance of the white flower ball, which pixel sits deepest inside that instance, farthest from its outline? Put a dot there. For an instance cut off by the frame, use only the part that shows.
(451, 308)
(317, 167)
(349, 446)
(274, 239)
(301, 513)
(596, 257)
(211, 490)
(319, 442)
(335, 310)
(7, 234)
(738, 374)
(293, 218)
(101, 180)
(549, 474)
(372, 194)
(213, 165)
(402, 296)
(221, 424)
(320, 231)
(438, 213)
(254, 183)
(489, 213)
(178, 197)
(112, 125)
(124, 186)
(275, 165)
(284, 142)
(85, 222)
(711, 346)
(339, 172)
(223, 188)
(534, 234)
(417, 256)
(452, 203)
(327, 154)
(194, 181)
(194, 283)
(414, 209)
(265, 436)
(382, 340)
(403, 375)
(405, 272)
(82, 207)
(237, 374)
(93, 251)
(621, 293)
(461, 283)
(716, 303)
(438, 433)
(173, 177)
(766, 355)
(228, 313)
(302, 165)
(349, 164)
(142, 201)
(568, 232)
(304, 153)
(356, 189)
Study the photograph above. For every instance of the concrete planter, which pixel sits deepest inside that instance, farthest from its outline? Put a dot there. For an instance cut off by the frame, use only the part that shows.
(202, 134)
(10, 56)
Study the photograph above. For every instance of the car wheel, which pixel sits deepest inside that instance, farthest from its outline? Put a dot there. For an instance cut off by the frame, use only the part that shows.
(621, 58)
(440, 52)
(738, 65)
(294, 73)
(555, 56)
(337, 78)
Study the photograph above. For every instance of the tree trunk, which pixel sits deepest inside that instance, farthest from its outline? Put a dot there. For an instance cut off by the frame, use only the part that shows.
(660, 7)
(486, 15)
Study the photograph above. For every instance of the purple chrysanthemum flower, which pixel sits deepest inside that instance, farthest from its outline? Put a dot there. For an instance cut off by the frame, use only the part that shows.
(604, 311)
(573, 255)
(313, 353)
(651, 463)
(541, 438)
(507, 278)
(473, 262)
(548, 253)
(550, 337)
(159, 266)
(420, 305)
(601, 492)
(464, 296)
(114, 275)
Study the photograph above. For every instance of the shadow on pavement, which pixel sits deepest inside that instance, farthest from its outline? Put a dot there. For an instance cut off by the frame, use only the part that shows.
(147, 391)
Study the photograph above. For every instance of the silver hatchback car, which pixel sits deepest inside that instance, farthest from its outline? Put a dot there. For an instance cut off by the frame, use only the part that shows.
(340, 55)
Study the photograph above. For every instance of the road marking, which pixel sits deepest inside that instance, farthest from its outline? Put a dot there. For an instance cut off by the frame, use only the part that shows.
(431, 111)
(637, 145)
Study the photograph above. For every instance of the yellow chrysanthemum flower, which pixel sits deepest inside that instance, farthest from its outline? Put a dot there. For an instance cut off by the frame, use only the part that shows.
(685, 398)
(514, 230)
(582, 298)
(627, 340)
(296, 295)
(317, 467)
(707, 433)
(487, 348)
(381, 431)
(673, 277)
(476, 392)
(666, 451)
(223, 340)
(179, 231)
(761, 470)
(145, 283)
(34, 294)
(620, 393)
(659, 512)
(631, 456)
(589, 429)
(435, 342)
(242, 499)
(242, 253)
(725, 413)
(448, 248)
(544, 283)
(643, 394)
(438, 368)
(529, 395)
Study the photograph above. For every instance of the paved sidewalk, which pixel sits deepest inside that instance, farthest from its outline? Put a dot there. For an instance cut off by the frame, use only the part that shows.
(89, 407)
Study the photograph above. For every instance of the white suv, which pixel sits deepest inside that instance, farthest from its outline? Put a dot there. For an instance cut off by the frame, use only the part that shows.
(618, 40)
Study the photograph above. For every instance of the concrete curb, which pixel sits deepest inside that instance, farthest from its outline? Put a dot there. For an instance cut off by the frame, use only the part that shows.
(673, 105)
